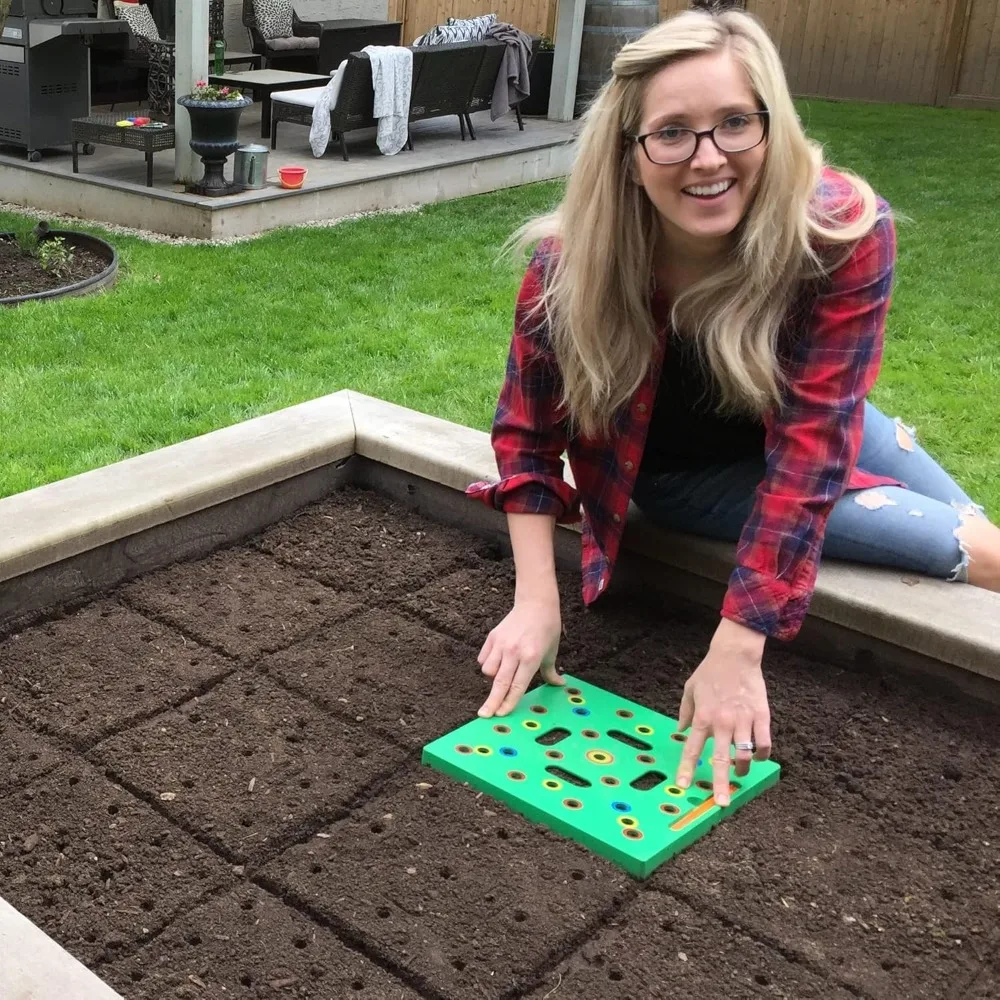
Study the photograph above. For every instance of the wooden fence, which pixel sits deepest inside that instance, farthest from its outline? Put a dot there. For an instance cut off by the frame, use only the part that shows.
(944, 52)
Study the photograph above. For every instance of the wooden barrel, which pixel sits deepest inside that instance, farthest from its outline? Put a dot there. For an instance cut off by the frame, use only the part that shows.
(607, 26)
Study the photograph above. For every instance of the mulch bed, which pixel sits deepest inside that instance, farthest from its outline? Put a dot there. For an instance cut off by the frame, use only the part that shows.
(22, 274)
(212, 788)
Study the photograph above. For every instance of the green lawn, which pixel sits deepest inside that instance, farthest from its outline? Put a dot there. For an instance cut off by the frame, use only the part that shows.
(414, 308)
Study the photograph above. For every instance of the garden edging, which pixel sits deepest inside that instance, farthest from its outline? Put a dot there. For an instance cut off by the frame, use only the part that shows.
(955, 626)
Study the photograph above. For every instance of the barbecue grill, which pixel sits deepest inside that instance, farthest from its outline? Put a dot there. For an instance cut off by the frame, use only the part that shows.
(45, 70)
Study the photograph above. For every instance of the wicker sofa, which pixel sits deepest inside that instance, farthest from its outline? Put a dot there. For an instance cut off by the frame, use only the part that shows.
(454, 79)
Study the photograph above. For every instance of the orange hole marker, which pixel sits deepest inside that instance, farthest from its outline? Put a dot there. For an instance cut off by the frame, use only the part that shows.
(699, 810)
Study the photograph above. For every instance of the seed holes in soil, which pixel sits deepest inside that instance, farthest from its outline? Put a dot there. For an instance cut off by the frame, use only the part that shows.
(502, 834)
(384, 912)
(520, 916)
(147, 905)
(74, 781)
(246, 822)
(300, 943)
(305, 783)
(112, 810)
(194, 940)
(316, 869)
(615, 975)
(246, 980)
(90, 937)
(377, 828)
(247, 904)
(761, 980)
(139, 688)
(248, 753)
(577, 875)
(445, 872)
(187, 783)
(136, 976)
(573, 779)
(458, 965)
(357, 986)
(552, 736)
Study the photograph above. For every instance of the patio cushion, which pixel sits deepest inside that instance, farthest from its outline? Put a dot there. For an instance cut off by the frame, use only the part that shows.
(293, 43)
(307, 97)
(139, 18)
(274, 18)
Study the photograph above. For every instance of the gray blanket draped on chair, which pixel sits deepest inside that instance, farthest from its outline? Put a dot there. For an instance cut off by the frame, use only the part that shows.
(512, 84)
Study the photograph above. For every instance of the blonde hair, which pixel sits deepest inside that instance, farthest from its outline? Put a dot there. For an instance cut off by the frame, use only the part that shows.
(597, 296)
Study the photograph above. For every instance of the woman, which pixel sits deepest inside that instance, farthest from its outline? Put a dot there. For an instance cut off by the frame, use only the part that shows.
(699, 328)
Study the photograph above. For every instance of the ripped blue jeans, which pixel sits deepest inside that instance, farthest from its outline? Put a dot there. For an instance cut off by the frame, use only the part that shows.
(910, 529)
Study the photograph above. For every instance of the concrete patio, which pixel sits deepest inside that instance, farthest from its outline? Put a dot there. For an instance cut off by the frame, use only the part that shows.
(111, 184)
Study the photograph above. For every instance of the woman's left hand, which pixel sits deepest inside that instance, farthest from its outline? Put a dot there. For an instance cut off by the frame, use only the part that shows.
(726, 699)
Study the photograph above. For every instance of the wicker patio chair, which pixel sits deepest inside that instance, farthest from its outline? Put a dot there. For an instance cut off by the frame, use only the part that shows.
(299, 53)
(482, 90)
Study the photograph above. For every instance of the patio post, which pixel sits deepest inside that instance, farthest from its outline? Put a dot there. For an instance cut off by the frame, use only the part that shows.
(566, 61)
(191, 55)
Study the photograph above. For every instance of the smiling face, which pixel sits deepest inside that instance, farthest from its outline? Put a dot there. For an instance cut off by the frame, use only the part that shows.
(702, 200)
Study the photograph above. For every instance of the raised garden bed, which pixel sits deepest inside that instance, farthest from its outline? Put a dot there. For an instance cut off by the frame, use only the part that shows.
(212, 783)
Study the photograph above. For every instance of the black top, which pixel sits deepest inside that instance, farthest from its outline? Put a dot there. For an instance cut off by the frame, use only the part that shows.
(686, 430)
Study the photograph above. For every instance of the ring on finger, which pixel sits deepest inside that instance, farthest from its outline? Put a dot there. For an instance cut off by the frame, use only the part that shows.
(747, 745)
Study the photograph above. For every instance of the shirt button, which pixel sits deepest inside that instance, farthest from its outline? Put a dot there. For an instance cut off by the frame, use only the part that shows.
(642, 407)
(629, 466)
(616, 518)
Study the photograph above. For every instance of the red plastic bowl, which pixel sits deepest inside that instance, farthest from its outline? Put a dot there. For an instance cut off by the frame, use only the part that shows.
(291, 177)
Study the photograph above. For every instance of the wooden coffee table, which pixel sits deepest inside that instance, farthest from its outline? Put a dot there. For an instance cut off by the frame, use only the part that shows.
(262, 83)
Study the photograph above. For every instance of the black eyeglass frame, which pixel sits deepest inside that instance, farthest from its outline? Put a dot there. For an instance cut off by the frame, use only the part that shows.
(698, 136)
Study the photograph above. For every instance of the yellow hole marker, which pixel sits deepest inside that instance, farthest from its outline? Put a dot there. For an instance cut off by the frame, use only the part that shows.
(552, 784)
(644, 730)
(673, 790)
(629, 821)
(577, 700)
(485, 751)
(600, 757)
(531, 724)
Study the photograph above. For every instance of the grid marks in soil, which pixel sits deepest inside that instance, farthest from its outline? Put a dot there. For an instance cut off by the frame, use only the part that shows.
(248, 944)
(91, 672)
(443, 881)
(882, 818)
(249, 763)
(94, 867)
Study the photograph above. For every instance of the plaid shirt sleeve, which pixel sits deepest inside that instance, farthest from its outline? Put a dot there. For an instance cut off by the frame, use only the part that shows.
(813, 442)
(529, 433)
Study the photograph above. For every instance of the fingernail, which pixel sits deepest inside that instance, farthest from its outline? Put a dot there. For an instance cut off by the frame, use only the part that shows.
(684, 781)
(723, 800)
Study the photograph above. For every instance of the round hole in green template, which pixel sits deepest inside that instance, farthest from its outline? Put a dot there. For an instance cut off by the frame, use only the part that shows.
(669, 808)
(502, 729)
(531, 724)
(463, 748)
(644, 730)
(516, 775)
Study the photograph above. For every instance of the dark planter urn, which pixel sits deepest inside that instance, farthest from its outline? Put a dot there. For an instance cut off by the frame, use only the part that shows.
(214, 136)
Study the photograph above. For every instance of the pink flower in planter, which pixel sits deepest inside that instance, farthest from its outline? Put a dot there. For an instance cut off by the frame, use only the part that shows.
(201, 83)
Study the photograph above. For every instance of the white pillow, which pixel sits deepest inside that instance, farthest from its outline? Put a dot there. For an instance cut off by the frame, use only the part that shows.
(274, 17)
(139, 18)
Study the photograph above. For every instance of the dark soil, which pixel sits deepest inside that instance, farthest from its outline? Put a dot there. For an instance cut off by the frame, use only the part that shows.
(211, 787)
(23, 274)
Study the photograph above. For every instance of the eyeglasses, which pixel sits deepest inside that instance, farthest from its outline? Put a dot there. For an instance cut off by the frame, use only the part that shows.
(736, 134)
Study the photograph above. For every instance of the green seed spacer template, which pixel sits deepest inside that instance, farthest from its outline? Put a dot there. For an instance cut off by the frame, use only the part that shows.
(596, 768)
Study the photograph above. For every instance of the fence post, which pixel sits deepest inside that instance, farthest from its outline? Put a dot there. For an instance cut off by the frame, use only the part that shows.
(566, 59)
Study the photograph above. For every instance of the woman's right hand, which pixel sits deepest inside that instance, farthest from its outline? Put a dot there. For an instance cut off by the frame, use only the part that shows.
(526, 640)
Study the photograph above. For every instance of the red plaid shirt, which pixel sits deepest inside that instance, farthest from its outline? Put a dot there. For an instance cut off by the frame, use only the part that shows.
(811, 449)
